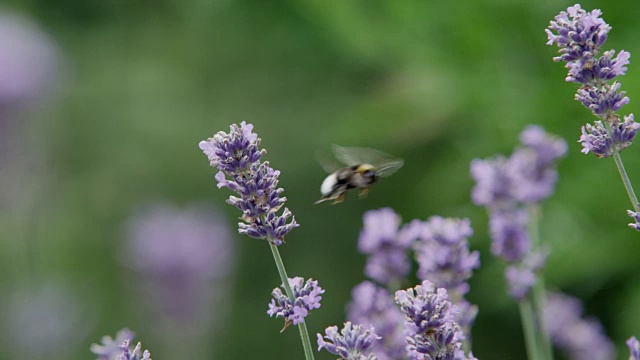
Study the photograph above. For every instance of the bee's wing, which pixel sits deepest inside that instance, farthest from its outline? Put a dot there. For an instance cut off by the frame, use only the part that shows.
(352, 156)
(329, 165)
(388, 167)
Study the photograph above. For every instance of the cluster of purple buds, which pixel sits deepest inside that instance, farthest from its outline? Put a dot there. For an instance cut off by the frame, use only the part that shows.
(353, 342)
(307, 297)
(579, 35)
(386, 245)
(579, 338)
(443, 257)
(507, 187)
(136, 354)
(432, 332)
(110, 348)
(374, 306)
(634, 348)
(238, 158)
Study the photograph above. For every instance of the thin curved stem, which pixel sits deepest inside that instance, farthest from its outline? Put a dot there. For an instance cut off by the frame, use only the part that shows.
(528, 327)
(626, 181)
(304, 334)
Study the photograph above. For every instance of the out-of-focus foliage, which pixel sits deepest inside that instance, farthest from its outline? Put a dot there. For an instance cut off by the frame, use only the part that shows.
(437, 83)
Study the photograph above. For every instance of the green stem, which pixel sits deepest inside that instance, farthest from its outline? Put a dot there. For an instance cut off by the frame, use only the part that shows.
(626, 181)
(528, 327)
(539, 290)
(623, 173)
(304, 334)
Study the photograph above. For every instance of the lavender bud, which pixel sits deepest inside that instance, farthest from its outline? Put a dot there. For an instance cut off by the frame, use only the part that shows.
(636, 217)
(374, 306)
(237, 155)
(602, 100)
(492, 184)
(595, 138)
(634, 348)
(353, 342)
(109, 349)
(136, 354)
(624, 132)
(578, 338)
(307, 297)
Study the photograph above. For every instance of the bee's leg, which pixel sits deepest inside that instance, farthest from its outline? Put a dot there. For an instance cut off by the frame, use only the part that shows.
(339, 198)
(363, 193)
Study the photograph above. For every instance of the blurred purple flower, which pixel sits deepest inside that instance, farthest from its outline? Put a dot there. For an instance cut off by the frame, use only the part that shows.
(509, 237)
(29, 60)
(636, 217)
(353, 342)
(386, 245)
(135, 354)
(634, 348)
(527, 176)
(180, 255)
(580, 339)
(307, 296)
(46, 321)
(431, 330)
(443, 257)
(374, 306)
(237, 155)
(109, 349)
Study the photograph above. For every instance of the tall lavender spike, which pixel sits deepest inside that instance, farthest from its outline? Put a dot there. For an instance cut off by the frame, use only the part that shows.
(238, 158)
(109, 349)
(353, 342)
(443, 257)
(374, 306)
(387, 245)
(579, 338)
(634, 348)
(307, 295)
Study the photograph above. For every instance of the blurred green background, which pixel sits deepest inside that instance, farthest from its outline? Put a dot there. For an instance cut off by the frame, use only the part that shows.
(438, 83)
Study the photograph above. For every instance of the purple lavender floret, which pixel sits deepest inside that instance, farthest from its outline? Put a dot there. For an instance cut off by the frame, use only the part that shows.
(237, 155)
(353, 342)
(634, 348)
(520, 281)
(595, 139)
(374, 306)
(136, 354)
(386, 245)
(431, 330)
(307, 297)
(109, 349)
(636, 217)
(579, 338)
(602, 100)
(510, 239)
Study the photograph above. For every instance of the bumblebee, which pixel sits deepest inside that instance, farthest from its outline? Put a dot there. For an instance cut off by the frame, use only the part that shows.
(359, 169)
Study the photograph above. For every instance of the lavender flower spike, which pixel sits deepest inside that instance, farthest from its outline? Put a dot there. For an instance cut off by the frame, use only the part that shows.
(237, 156)
(431, 331)
(307, 296)
(634, 348)
(353, 342)
(136, 354)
